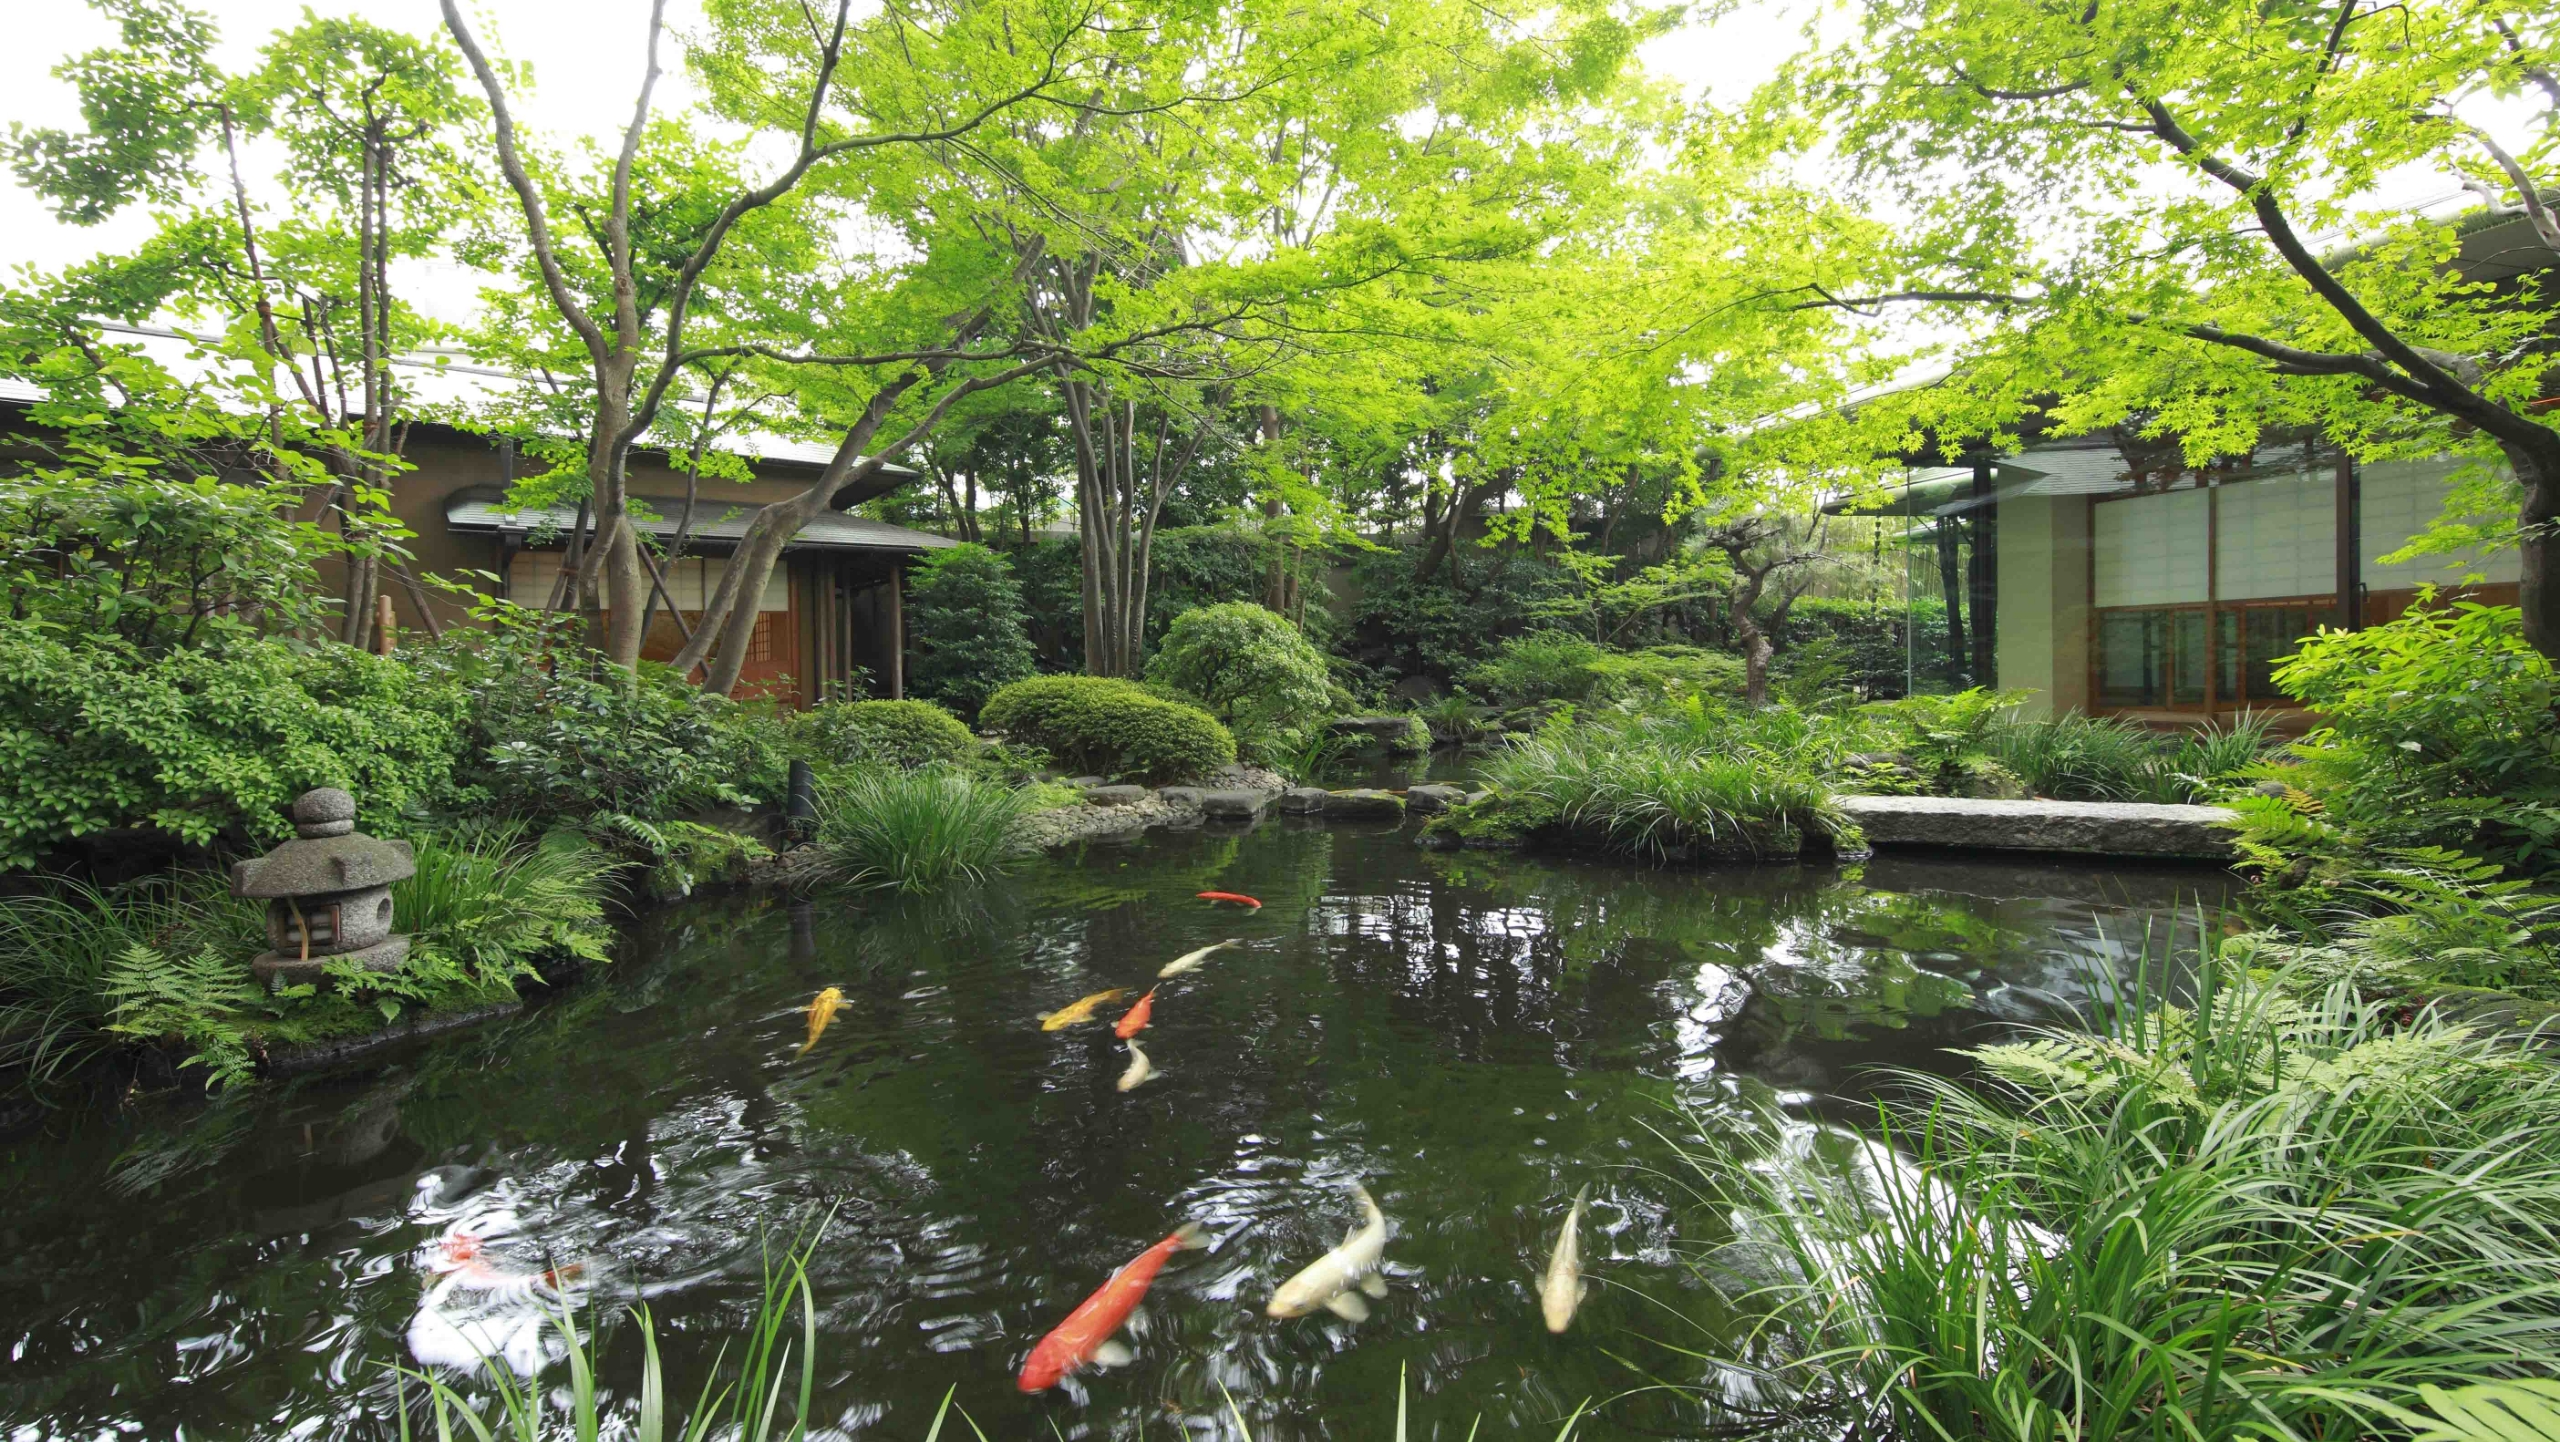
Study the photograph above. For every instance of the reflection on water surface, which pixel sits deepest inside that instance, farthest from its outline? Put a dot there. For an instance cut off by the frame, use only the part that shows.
(1472, 1036)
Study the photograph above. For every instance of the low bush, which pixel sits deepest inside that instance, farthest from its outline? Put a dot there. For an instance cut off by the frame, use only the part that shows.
(911, 831)
(1249, 668)
(2440, 733)
(970, 632)
(208, 743)
(1112, 727)
(561, 733)
(1662, 673)
(1540, 666)
(883, 733)
(2261, 1215)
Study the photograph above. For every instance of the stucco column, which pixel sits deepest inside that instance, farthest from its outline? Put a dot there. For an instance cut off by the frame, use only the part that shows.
(2044, 601)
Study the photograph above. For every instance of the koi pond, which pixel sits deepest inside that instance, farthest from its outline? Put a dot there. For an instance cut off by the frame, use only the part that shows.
(1472, 1037)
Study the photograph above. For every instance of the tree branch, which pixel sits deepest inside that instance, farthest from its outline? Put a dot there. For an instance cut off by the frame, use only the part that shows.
(511, 164)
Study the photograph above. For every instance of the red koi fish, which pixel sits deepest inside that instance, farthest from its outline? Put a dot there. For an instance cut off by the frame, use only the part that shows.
(1236, 897)
(1138, 1016)
(1086, 1334)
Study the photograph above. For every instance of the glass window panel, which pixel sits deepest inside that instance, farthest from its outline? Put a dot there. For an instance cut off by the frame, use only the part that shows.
(2131, 658)
(2186, 659)
(2273, 632)
(2226, 655)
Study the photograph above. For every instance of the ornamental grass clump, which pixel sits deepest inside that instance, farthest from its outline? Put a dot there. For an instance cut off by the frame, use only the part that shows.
(913, 831)
(1662, 792)
(2258, 1214)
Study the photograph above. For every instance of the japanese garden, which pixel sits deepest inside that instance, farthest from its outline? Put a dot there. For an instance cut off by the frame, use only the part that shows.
(1068, 718)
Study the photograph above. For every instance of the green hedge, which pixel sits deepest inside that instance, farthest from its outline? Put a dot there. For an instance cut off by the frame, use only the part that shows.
(96, 735)
(895, 733)
(1114, 727)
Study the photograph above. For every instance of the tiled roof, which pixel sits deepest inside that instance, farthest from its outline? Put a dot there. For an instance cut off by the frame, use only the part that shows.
(712, 522)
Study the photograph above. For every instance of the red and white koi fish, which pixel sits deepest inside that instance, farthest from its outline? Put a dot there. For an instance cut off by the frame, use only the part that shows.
(1086, 1334)
(1237, 897)
(1137, 1017)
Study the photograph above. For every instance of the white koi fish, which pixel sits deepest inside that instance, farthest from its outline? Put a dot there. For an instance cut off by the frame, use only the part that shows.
(1140, 1069)
(1564, 1288)
(1190, 960)
(1328, 1281)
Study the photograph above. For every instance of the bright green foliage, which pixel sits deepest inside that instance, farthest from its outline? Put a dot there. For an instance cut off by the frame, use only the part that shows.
(131, 526)
(1111, 726)
(1251, 669)
(202, 744)
(2149, 1231)
(971, 636)
(2413, 922)
(2440, 733)
(2191, 219)
(1540, 666)
(573, 737)
(1658, 674)
(1545, 666)
(494, 898)
(204, 999)
(2072, 757)
(1693, 783)
(914, 831)
(58, 946)
(883, 733)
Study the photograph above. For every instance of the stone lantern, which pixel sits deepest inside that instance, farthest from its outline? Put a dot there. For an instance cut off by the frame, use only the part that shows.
(328, 893)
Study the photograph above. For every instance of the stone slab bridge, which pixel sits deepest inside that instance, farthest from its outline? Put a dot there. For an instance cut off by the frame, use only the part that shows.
(2126, 829)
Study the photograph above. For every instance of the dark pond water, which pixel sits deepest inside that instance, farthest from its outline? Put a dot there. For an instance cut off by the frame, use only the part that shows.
(1474, 1037)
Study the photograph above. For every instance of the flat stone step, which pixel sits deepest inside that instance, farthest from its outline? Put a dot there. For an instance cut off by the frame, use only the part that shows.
(2074, 828)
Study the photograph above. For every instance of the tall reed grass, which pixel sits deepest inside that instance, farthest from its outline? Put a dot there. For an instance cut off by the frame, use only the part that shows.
(917, 830)
(2254, 1215)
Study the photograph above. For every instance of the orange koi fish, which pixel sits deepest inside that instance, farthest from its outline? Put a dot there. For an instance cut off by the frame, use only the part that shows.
(1237, 897)
(1138, 1017)
(1086, 1334)
(821, 1011)
(1077, 1011)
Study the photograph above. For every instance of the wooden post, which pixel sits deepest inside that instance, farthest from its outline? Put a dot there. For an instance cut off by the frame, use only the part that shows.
(384, 619)
(898, 628)
(2350, 530)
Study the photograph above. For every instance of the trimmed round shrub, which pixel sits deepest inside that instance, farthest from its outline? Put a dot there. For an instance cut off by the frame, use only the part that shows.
(1111, 726)
(888, 733)
(971, 635)
(1249, 667)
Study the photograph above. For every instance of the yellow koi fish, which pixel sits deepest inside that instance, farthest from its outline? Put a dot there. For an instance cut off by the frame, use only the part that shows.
(1069, 1015)
(821, 1011)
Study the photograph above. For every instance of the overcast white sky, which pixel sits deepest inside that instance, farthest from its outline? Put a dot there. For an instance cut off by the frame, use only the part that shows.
(586, 65)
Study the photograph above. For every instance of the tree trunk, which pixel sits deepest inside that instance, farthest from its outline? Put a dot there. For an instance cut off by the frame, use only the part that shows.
(1951, 584)
(1756, 651)
(2537, 468)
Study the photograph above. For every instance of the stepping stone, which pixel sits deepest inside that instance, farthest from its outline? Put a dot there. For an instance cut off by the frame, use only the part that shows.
(1433, 798)
(1116, 795)
(1303, 800)
(1364, 804)
(1235, 805)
